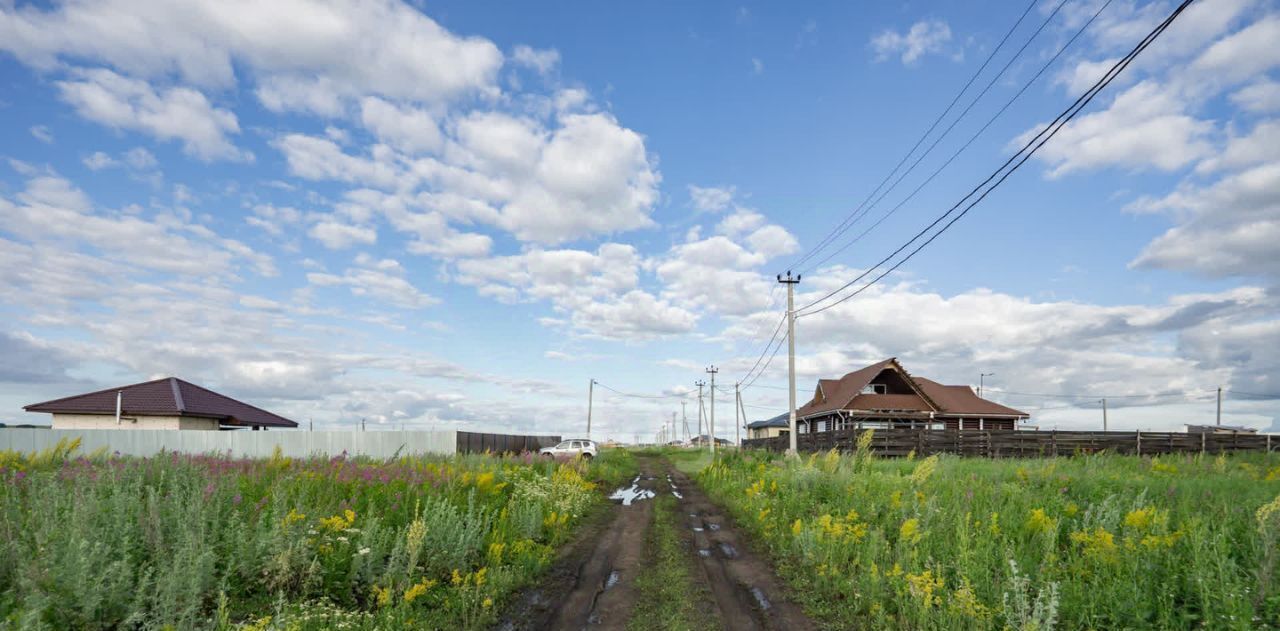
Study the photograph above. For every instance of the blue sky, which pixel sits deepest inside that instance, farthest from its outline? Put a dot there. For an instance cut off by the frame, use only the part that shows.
(457, 213)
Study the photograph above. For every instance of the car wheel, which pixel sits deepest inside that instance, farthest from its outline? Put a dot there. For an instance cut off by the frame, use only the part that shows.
(586, 456)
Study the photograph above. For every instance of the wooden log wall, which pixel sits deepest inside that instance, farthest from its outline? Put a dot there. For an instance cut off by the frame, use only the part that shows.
(1018, 443)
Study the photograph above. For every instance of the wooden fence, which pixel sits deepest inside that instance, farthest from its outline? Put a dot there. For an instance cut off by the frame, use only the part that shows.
(1019, 443)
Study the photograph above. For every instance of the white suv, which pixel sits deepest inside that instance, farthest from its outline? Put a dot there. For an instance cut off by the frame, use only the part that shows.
(571, 449)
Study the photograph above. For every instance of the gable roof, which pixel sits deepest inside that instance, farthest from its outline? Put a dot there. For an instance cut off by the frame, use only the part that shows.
(840, 393)
(165, 396)
(845, 393)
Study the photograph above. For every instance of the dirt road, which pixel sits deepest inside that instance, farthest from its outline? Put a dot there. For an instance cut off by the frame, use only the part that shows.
(594, 584)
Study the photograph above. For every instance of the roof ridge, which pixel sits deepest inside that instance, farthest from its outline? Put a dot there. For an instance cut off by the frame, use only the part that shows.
(177, 395)
(219, 394)
(102, 391)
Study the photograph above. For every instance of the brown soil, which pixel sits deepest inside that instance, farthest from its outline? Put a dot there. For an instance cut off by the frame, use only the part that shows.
(747, 592)
(592, 585)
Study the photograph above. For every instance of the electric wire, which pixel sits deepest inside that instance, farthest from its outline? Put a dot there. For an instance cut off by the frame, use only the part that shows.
(964, 147)
(850, 219)
(1017, 160)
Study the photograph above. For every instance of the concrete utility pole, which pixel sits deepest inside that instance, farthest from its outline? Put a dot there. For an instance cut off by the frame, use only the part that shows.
(700, 383)
(980, 378)
(1104, 415)
(737, 416)
(744, 414)
(712, 370)
(791, 352)
(675, 435)
(1219, 405)
(684, 417)
(591, 395)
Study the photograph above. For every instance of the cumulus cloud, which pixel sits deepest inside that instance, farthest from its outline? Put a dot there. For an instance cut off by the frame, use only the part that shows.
(922, 38)
(380, 279)
(542, 60)
(180, 113)
(295, 51)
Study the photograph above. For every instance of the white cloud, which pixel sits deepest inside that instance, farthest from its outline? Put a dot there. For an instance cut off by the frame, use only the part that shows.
(335, 234)
(99, 160)
(42, 133)
(1229, 228)
(140, 159)
(380, 279)
(172, 114)
(347, 48)
(52, 211)
(1261, 144)
(924, 37)
(711, 198)
(1145, 126)
(757, 66)
(1262, 96)
(542, 60)
(407, 129)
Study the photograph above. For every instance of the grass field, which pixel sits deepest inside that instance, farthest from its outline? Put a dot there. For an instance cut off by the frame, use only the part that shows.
(1091, 542)
(195, 542)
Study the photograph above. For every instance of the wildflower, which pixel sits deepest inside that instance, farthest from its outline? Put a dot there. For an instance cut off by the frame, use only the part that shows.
(456, 579)
(488, 602)
(923, 585)
(363, 551)
(418, 589)
(479, 576)
(495, 552)
(797, 527)
(293, 517)
(965, 602)
(910, 531)
(1039, 522)
(895, 500)
(1265, 512)
(381, 595)
(763, 514)
(1098, 543)
(1071, 510)
(924, 470)
(1141, 519)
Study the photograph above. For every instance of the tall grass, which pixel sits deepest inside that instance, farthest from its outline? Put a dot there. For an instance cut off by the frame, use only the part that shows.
(1092, 542)
(195, 542)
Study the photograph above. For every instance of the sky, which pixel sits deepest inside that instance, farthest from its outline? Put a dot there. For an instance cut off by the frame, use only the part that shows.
(438, 215)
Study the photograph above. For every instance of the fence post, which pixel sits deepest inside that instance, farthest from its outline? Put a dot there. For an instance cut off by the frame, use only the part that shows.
(1268, 443)
(1202, 435)
(1053, 442)
(1139, 442)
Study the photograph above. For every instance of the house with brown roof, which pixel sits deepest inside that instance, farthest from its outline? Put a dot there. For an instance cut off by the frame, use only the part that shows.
(168, 403)
(885, 395)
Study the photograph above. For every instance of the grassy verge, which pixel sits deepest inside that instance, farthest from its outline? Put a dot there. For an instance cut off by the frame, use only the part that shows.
(668, 596)
(206, 542)
(1088, 542)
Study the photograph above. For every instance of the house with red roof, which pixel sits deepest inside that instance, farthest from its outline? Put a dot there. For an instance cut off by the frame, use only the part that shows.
(885, 395)
(168, 403)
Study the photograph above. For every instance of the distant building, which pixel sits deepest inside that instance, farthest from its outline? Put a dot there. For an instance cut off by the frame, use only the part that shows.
(1220, 429)
(169, 403)
(885, 395)
(776, 426)
(705, 439)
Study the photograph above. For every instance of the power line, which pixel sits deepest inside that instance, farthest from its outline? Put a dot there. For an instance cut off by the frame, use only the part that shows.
(1017, 160)
(766, 364)
(1260, 395)
(643, 396)
(964, 147)
(772, 338)
(854, 215)
(1160, 395)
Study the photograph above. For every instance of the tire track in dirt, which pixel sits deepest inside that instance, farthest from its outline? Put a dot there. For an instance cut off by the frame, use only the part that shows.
(600, 592)
(593, 584)
(747, 592)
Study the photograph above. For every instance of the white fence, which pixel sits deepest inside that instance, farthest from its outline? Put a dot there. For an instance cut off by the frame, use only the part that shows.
(239, 444)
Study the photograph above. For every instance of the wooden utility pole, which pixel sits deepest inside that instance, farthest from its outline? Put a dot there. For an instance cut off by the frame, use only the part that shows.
(700, 383)
(737, 416)
(791, 353)
(712, 370)
(591, 395)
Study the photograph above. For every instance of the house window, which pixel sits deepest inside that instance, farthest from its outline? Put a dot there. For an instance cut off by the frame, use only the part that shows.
(822, 426)
(875, 388)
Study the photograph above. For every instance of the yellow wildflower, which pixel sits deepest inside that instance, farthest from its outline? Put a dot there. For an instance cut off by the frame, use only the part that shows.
(381, 595)
(1141, 519)
(923, 586)
(910, 531)
(1071, 510)
(1098, 543)
(797, 527)
(293, 517)
(479, 576)
(1038, 521)
(488, 602)
(418, 589)
(924, 470)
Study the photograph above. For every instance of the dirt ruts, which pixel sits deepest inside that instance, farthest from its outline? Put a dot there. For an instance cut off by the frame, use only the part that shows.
(592, 585)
